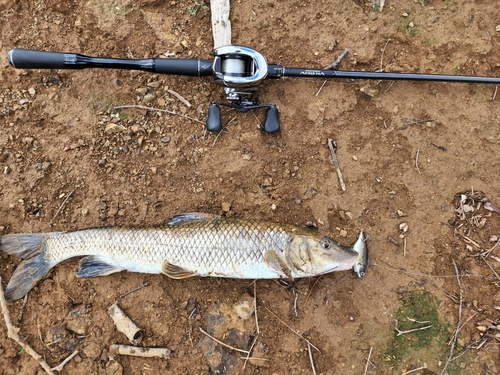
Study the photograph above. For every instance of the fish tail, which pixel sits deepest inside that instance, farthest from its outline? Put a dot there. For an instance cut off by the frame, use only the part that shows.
(35, 265)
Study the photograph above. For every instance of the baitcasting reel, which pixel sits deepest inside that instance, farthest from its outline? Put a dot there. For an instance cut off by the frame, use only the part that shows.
(240, 70)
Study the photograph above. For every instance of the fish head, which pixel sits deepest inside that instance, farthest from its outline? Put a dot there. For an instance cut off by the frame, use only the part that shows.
(310, 256)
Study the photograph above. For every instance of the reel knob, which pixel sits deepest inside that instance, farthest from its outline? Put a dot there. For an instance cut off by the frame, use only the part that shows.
(272, 123)
(214, 123)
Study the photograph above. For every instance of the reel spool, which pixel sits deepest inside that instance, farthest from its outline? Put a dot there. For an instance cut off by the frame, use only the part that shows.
(240, 70)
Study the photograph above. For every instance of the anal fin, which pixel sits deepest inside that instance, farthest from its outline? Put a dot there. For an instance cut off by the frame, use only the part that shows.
(175, 272)
(94, 265)
(274, 262)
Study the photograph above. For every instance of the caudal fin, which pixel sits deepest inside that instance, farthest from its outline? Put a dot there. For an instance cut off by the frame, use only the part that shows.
(30, 248)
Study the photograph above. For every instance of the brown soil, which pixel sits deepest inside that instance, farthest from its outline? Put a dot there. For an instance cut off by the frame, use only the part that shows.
(159, 165)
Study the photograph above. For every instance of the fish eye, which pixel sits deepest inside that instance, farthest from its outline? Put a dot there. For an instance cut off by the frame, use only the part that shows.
(325, 243)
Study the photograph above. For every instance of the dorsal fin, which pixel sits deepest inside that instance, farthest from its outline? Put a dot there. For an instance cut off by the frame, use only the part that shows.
(175, 272)
(188, 217)
(274, 262)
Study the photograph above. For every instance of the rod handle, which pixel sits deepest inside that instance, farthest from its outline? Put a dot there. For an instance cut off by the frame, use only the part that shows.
(32, 59)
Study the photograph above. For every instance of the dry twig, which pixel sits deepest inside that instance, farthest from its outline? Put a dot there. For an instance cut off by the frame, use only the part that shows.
(311, 357)
(61, 206)
(291, 329)
(133, 290)
(416, 161)
(158, 110)
(416, 369)
(138, 351)
(412, 330)
(310, 290)
(369, 355)
(333, 65)
(12, 332)
(222, 343)
(332, 145)
(63, 363)
(178, 96)
(458, 322)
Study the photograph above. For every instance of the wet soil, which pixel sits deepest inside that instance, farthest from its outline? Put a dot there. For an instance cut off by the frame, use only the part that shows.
(69, 161)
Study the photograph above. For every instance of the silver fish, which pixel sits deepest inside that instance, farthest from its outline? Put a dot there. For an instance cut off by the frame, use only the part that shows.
(191, 244)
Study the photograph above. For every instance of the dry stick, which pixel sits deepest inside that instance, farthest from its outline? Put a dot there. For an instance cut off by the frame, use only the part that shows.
(382, 56)
(158, 110)
(310, 291)
(250, 351)
(63, 363)
(388, 88)
(178, 96)
(291, 329)
(333, 65)
(332, 145)
(416, 274)
(495, 93)
(12, 333)
(321, 88)
(412, 330)
(417, 369)
(458, 322)
(255, 305)
(133, 290)
(416, 161)
(404, 247)
(369, 355)
(491, 268)
(256, 323)
(61, 206)
(311, 357)
(22, 309)
(222, 343)
(462, 326)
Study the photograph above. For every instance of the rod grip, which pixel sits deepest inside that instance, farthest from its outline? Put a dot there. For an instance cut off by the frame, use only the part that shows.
(32, 59)
(184, 67)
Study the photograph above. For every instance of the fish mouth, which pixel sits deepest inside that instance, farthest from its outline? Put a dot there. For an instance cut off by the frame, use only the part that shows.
(361, 247)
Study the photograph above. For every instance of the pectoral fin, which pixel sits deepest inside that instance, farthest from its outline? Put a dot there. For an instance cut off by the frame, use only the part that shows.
(175, 272)
(274, 262)
(94, 265)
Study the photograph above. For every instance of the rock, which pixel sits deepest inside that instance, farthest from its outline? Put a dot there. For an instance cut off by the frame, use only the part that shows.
(244, 307)
(148, 98)
(77, 326)
(311, 192)
(28, 141)
(154, 84)
(368, 90)
(92, 350)
(165, 140)
(226, 206)
(178, 48)
(114, 368)
(112, 128)
(24, 101)
(141, 91)
(497, 28)
(32, 91)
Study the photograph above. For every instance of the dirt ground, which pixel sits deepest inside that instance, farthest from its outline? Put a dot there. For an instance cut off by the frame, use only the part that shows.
(407, 152)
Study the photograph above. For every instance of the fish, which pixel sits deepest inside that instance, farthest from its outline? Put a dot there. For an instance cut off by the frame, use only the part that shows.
(190, 244)
(361, 247)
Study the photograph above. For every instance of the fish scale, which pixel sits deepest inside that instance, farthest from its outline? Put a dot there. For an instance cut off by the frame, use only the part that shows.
(191, 244)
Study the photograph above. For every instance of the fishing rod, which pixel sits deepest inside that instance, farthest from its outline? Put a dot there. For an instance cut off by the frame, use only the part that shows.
(240, 70)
